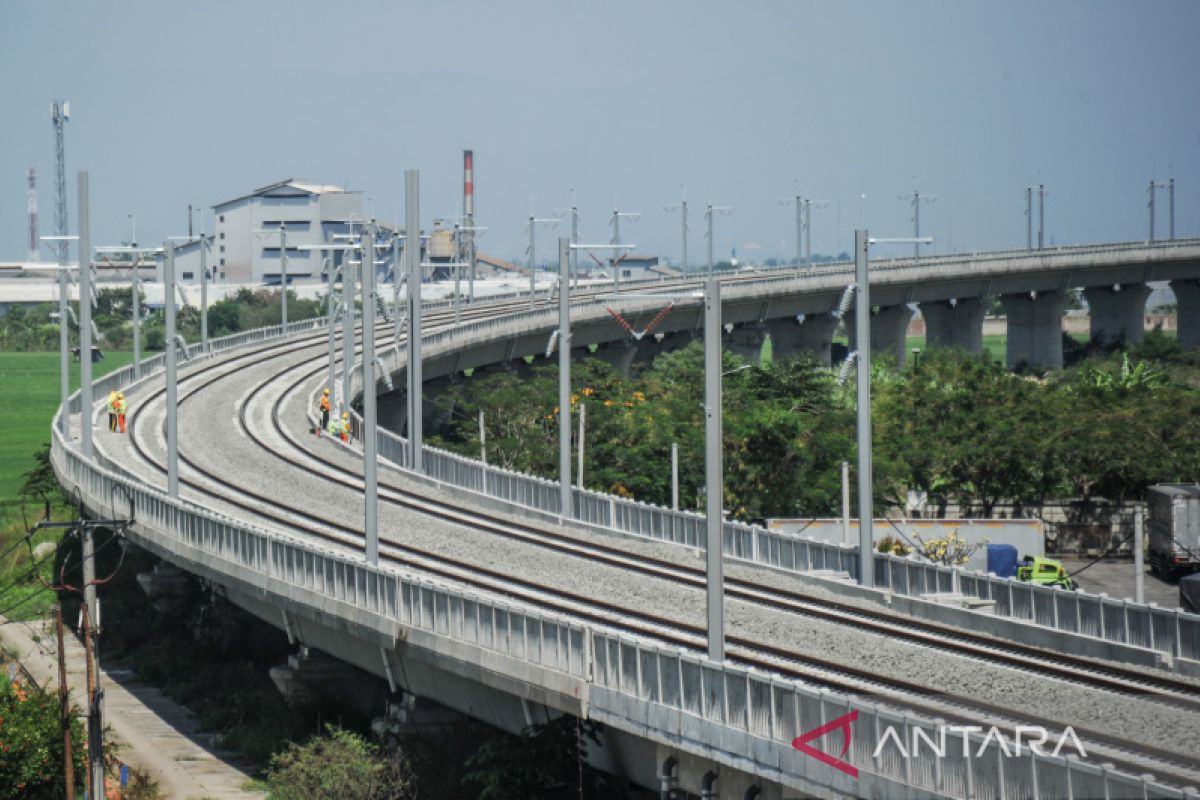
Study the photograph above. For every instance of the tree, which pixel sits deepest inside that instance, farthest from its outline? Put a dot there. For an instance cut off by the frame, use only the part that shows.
(31, 743)
(546, 762)
(339, 765)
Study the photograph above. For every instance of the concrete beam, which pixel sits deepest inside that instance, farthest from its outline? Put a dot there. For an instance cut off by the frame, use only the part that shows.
(889, 330)
(1118, 313)
(814, 335)
(1034, 329)
(1187, 300)
(954, 324)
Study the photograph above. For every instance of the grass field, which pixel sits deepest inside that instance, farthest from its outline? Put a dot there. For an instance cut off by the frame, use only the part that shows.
(29, 395)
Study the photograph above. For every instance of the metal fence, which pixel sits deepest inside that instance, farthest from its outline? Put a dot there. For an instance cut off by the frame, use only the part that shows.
(739, 713)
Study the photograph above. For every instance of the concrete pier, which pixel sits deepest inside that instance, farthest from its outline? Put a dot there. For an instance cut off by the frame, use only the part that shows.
(954, 324)
(813, 334)
(1187, 298)
(746, 341)
(889, 329)
(1035, 328)
(1118, 312)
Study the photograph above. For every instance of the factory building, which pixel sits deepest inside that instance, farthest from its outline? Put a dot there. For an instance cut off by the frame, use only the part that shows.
(244, 247)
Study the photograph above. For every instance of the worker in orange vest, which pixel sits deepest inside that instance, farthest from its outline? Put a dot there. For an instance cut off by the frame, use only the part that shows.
(112, 411)
(121, 409)
(344, 431)
(324, 407)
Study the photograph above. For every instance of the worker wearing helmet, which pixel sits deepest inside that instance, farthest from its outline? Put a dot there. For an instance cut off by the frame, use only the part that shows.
(121, 409)
(323, 405)
(112, 411)
(344, 432)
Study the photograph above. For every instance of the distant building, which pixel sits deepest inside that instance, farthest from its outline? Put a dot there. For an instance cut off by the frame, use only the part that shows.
(240, 249)
(640, 268)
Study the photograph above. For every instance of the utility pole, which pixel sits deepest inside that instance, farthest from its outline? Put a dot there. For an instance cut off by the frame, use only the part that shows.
(85, 318)
(370, 463)
(915, 199)
(574, 238)
(862, 328)
(203, 287)
(1029, 218)
(64, 707)
(1169, 185)
(682, 207)
(283, 265)
(171, 378)
(808, 207)
(582, 432)
(674, 476)
(713, 469)
(708, 220)
(348, 291)
(412, 252)
(531, 226)
(1041, 216)
(616, 242)
(566, 508)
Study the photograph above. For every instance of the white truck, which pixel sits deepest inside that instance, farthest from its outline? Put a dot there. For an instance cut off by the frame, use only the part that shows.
(1174, 522)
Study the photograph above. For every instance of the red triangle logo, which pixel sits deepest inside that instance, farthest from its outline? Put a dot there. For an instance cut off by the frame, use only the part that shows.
(842, 723)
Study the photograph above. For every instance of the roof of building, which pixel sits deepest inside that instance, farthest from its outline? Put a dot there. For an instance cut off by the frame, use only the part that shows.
(498, 263)
(291, 186)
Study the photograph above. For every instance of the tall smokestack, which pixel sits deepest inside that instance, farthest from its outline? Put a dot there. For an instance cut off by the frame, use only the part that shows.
(32, 254)
(468, 183)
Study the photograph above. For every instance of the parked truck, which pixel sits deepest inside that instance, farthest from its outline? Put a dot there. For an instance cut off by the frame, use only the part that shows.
(1174, 524)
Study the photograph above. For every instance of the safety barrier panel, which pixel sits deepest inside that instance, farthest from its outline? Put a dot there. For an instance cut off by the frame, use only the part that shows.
(683, 695)
(741, 714)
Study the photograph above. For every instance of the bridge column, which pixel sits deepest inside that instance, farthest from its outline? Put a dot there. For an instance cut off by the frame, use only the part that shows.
(813, 335)
(1034, 329)
(1187, 304)
(652, 347)
(746, 341)
(1118, 313)
(954, 323)
(620, 354)
(889, 329)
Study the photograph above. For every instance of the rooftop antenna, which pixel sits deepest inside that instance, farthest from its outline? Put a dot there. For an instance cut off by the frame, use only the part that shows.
(615, 222)
(915, 199)
(682, 208)
(60, 112)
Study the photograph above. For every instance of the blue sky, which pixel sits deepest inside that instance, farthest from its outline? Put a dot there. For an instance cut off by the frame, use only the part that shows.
(624, 102)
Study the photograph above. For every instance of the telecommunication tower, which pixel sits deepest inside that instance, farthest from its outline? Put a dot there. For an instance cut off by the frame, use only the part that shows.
(32, 252)
(60, 112)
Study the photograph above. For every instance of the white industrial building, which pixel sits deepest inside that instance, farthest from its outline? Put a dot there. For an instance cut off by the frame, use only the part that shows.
(244, 248)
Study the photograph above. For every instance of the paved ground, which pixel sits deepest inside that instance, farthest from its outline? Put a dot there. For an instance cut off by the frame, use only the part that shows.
(157, 735)
(1115, 577)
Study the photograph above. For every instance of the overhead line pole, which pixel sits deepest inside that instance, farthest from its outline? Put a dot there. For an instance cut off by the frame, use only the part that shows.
(412, 252)
(171, 379)
(85, 317)
(370, 463)
(713, 470)
(564, 380)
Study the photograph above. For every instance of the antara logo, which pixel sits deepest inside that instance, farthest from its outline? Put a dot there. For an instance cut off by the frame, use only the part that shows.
(1027, 738)
(842, 723)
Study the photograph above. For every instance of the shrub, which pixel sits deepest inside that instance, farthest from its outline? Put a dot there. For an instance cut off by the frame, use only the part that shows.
(31, 743)
(339, 765)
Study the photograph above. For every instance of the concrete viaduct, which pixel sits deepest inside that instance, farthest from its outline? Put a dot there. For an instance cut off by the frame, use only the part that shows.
(273, 515)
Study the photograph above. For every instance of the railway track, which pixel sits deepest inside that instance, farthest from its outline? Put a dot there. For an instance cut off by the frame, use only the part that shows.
(754, 653)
